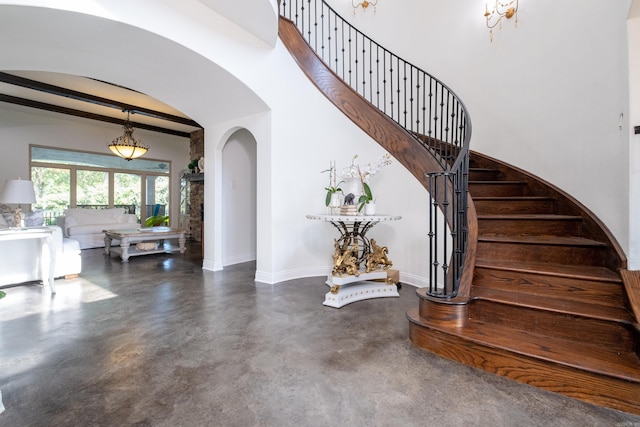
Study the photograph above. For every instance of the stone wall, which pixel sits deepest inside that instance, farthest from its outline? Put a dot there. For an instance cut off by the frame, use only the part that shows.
(196, 200)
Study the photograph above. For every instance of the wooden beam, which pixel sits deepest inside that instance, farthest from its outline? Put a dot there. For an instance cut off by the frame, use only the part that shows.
(78, 113)
(92, 99)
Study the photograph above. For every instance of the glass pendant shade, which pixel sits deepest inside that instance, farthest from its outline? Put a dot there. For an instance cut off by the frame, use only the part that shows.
(126, 146)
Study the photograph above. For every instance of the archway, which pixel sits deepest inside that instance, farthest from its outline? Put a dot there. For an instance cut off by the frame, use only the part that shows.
(239, 198)
(57, 40)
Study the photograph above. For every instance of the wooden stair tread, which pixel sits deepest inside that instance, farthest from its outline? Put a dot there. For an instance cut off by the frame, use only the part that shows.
(508, 198)
(500, 182)
(541, 217)
(583, 272)
(542, 240)
(558, 305)
(622, 365)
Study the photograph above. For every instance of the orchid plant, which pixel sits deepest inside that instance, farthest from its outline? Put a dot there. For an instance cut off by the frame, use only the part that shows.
(364, 173)
(333, 186)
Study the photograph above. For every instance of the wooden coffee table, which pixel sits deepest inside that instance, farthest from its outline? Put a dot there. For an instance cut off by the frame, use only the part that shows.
(139, 235)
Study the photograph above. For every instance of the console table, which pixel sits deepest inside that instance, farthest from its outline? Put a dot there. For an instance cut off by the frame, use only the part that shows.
(358, 284)
(48, 251)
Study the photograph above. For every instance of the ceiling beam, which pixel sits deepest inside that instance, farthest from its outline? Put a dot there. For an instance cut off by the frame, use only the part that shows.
(92, 99)
(78, 113)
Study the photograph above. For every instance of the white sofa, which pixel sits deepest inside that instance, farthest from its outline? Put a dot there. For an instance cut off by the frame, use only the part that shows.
(87, 225)
(20, 259)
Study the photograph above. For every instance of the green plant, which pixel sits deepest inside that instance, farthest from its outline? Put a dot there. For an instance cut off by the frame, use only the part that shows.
(156, 220)
(331, 191)
(333, 187)
(367, 197)
(193, 165)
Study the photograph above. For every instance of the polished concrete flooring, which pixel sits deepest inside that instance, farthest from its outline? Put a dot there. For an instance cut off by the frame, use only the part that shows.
(160, 342)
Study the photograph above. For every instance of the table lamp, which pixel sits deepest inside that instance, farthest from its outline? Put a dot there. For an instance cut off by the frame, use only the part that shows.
(18, 191)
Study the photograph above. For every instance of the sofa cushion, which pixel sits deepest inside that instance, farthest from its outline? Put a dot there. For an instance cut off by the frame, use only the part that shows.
(97, 228)
(79, 216)
(129, 219)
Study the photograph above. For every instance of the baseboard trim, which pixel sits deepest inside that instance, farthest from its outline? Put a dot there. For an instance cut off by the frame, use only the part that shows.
(323, 272)
(238, 259)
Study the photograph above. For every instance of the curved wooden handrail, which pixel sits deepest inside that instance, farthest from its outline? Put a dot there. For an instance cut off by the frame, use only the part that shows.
(438, 159)
(376, 124)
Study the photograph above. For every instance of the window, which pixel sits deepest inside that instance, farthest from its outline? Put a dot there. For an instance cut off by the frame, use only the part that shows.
(92, 187)
(68, 178)
(51, 186)
(127, 190)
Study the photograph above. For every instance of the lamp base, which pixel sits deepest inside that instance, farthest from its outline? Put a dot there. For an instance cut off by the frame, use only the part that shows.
(18, 218)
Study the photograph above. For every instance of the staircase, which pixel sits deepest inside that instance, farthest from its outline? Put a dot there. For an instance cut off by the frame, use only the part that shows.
(541, 298)
(547, 305)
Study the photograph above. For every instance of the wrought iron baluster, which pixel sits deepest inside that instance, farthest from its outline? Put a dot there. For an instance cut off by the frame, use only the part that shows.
(420, 103)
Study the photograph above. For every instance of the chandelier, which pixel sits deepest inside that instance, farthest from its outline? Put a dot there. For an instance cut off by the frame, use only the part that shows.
(364, 4)
(507, 9)
(126, 146)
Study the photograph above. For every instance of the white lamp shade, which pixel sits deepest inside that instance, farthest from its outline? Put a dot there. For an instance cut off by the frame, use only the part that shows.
(18, 191)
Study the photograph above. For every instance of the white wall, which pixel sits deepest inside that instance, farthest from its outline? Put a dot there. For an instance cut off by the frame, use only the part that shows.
(20, 126)
(545, 96)
(634, 140)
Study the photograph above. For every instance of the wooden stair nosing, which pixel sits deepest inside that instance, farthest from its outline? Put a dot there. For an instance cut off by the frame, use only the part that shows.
(620, 365)
(556, 305)
(581, 272)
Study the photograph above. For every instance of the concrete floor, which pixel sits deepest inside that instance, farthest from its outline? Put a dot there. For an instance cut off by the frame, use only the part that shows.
(159, 341)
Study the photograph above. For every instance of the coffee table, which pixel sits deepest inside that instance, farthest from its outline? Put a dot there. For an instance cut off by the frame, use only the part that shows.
(138, 235)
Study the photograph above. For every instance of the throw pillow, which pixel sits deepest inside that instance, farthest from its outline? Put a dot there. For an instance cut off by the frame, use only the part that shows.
(9, 219)
(3, 223)
(34, 219)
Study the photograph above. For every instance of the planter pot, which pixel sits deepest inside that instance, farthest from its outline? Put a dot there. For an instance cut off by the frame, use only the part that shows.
(370, 208)
(335, 203)
(336, 200)
(353, 186)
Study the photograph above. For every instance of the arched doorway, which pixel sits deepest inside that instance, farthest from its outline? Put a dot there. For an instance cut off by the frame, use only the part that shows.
(239, 195)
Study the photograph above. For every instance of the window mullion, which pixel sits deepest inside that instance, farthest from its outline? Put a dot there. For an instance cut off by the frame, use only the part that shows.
(73, 199)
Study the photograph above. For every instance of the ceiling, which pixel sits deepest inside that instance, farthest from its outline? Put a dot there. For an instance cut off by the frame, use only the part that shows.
(92, 99)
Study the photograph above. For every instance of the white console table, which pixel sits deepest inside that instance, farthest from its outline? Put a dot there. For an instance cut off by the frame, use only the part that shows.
(48, 251)
(348, 288)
